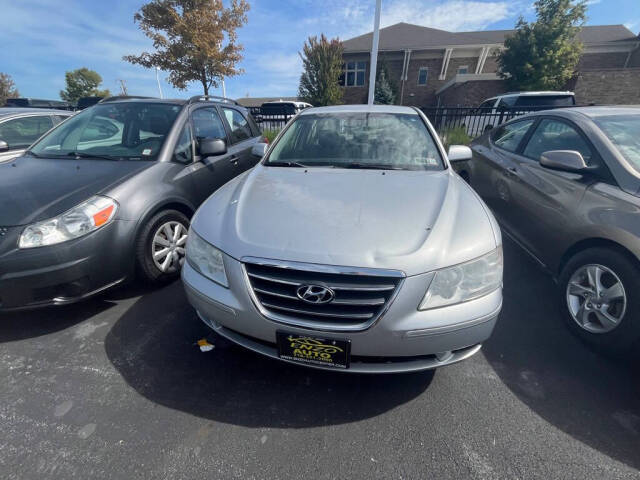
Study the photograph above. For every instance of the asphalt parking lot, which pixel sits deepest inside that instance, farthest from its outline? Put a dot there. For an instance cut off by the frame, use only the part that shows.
(117, 388)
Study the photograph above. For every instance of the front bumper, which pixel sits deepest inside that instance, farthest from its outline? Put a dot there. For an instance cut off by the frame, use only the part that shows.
(66, 272)
(402, 340)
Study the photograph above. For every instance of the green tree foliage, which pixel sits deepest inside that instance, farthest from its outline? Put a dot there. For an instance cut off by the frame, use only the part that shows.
(194, 40)
(7, 88)
(383, 93)
(322, 67)
(82, 82)
(543, 54)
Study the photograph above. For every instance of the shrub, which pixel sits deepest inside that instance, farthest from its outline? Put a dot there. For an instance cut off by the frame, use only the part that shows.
(270, 134)
(455, 136)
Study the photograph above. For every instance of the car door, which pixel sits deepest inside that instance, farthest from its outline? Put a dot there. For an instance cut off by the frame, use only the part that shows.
(19, 133)
(545, 201)
(493, 169)
(210, 173)
(242, 137)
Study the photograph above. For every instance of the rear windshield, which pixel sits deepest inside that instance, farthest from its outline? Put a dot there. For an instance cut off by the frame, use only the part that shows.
(545, 101)
(624, 133)
(358, 140)
(278, 108)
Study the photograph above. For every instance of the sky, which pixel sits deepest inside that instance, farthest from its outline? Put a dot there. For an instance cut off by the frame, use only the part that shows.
(41, 39)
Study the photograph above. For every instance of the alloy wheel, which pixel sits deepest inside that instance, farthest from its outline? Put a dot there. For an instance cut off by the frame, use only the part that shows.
(167, 247)
(596, 298)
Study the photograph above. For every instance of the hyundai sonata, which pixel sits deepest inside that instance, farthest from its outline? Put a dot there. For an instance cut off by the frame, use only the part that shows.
(352, 245)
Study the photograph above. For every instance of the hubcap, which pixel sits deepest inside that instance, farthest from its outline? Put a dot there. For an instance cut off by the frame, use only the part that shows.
(596, 298)
(167, 248)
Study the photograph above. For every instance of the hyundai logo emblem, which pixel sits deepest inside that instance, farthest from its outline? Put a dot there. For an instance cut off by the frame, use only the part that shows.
(316, 294)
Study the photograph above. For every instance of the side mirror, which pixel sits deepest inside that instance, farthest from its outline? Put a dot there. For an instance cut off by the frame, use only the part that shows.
(4, 146)
(568, 160)
(259, 149)
(212, 147)
(459, 153)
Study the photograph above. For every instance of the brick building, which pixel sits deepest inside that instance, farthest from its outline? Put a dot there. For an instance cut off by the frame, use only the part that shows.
(434, 67)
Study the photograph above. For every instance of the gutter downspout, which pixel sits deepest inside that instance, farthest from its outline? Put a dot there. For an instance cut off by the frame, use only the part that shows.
(405, 73)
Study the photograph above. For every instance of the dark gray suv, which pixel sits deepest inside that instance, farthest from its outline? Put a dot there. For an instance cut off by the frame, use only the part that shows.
(110, 192)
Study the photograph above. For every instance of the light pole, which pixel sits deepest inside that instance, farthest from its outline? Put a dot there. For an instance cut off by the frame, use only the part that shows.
(374, 53)
(158, 80)
(224, 90)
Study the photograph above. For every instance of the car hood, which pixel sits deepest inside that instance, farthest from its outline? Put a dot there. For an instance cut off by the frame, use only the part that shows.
(404, 220)
(33, 189)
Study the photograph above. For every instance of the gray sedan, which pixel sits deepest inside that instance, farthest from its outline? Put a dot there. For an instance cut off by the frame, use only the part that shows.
(20, 127)
(352, 246)
(565, 184)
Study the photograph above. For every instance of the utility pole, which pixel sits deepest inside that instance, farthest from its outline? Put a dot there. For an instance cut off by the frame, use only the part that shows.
(224, 90)
(123, 87)
(158, 80)
(374, 53)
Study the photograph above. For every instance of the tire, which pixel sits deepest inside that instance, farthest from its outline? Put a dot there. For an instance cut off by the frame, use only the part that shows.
(148, 241)
(599, 331)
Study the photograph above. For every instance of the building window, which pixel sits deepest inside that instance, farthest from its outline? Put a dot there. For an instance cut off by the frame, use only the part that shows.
(463, 69)
(423, 75)
(353, 74)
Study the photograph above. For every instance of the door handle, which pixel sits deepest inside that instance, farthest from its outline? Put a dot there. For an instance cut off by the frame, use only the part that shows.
(234, 159)
(512, 171)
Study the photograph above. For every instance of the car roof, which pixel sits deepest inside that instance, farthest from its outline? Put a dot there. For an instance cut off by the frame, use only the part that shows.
(6, 111)
(167, 101)
(534, 94)
(360, 108)
(593, 111)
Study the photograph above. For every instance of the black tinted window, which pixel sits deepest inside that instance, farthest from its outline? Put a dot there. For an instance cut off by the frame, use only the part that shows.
(238, 124)
(556, 135)
(22, 132)
(509, 136)
(207, 124)
(545, 101)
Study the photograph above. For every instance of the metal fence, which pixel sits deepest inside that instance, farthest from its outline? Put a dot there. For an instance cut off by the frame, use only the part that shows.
(474, 121)
(272, 118)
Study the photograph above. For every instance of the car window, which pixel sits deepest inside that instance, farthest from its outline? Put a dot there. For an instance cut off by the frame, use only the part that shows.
(545, 101)
(255, 129)
(183, 152)
(358, 140)
(207, 124)
(22, 132)
(509, 136)
(624, 133)
(556, 135)
(126, 130)
(238, 124)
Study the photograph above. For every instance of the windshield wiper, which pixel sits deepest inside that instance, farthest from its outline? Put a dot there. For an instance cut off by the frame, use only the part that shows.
(285, 164)
(91, 155)
(368, 166)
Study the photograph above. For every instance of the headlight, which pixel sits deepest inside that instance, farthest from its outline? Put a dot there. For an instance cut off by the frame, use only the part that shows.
(465, 282)
(85, 218)
(206, 259)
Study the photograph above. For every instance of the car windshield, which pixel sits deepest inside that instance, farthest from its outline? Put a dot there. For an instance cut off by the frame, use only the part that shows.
(357, 140)
(624, 133)
(127, 130)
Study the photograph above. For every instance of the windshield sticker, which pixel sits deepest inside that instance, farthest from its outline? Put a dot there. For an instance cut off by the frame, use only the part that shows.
(146, 151)
(425, 161)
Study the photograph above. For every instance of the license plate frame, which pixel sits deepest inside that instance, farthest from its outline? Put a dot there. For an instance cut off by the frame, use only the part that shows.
(312, 350)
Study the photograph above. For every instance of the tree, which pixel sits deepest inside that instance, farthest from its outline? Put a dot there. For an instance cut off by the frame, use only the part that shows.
(322, 67)
(194, 40)
(543, 55)
(7, 88)
(82, 82)
(384, 93)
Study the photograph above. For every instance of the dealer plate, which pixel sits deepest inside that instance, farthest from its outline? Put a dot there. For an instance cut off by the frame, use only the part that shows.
(327, 352)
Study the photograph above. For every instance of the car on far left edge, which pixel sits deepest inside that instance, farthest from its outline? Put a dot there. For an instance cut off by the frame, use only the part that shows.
(20, 127)
(109, 194)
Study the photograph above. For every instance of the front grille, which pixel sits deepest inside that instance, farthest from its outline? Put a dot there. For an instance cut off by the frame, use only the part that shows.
(360, 296)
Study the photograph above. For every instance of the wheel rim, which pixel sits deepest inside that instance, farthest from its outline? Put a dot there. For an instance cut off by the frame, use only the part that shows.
(596, 298)
(167, 247)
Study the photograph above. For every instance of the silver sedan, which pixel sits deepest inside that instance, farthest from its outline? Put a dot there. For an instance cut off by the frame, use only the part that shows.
(352, 246)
